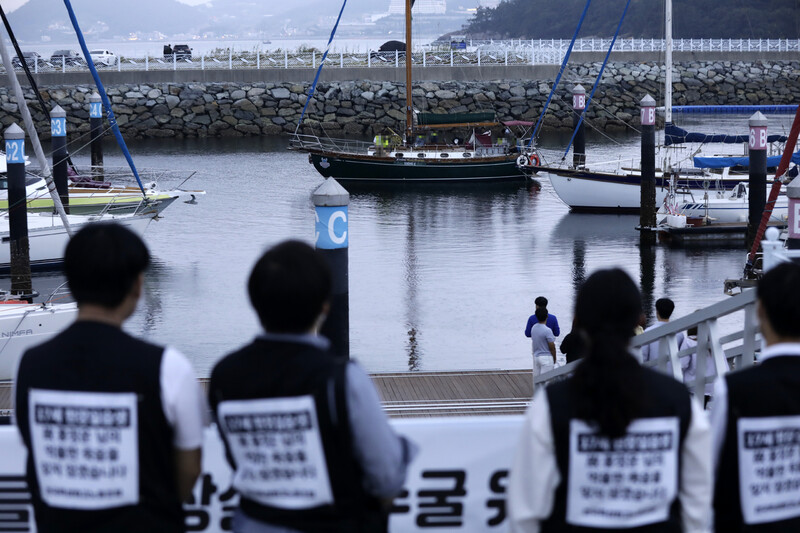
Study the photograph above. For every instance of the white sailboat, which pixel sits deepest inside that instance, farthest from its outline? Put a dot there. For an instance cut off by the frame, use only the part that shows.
(619, 189)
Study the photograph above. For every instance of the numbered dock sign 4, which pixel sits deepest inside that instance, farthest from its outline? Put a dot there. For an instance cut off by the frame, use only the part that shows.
(15, 151)
(96, 110)
(331, 230)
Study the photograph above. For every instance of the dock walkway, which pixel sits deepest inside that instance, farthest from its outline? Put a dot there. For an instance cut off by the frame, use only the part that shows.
(426, 394)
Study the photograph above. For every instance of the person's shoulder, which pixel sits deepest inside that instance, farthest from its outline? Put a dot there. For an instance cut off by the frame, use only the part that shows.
(230, 362)
(664, 381)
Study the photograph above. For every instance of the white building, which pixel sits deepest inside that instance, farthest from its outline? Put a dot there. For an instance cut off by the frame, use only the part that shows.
(421, 7)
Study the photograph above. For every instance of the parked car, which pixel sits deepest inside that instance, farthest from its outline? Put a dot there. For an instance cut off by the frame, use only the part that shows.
(103, 57)
(31, 59)
(69, 57)
(182, 51)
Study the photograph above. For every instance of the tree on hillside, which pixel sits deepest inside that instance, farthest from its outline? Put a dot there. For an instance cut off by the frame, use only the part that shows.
(544, 19)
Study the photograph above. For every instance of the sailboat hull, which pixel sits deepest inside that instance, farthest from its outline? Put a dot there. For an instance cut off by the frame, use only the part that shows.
(585, 191)
(47, 238)
(375, 169)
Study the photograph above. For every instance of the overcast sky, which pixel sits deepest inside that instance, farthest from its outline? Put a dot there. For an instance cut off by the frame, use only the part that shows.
(11, 5)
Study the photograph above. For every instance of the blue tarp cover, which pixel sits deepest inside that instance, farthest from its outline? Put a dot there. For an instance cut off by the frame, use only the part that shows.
(742, 161)
(675, 135)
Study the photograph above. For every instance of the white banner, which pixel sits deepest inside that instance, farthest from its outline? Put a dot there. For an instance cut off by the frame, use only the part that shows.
(457, 482)
(769, 468)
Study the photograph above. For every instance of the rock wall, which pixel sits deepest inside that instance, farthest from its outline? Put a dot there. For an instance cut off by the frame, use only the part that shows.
(364, 108)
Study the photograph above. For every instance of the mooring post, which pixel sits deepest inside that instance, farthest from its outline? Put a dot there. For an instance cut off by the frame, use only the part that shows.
(758, 174)
(96, 135)
(793, 192)
(58, 138)
(331, 239)
(21, 285)
(579, 144)
(647, 214)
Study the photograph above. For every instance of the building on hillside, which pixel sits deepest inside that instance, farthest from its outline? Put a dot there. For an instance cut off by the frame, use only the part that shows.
(421, 7)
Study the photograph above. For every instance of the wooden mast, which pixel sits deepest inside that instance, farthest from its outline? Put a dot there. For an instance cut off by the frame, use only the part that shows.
(409, 108)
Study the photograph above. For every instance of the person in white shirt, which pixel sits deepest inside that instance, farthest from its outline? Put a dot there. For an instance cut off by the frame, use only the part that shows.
(664, 309)
(543, 344)
(616, 446)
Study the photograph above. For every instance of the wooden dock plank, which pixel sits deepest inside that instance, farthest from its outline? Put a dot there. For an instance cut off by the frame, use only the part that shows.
(434, 393)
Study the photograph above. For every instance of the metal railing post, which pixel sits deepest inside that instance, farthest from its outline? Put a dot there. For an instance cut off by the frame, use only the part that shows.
(397, 59)
(258, 59)
(341, 59)
(424, 58)
(174, 61)
(230, 58)
(479, 57)
(286, 59)
(451, 58)
(63, 64)
(313, 59)
(203, 61)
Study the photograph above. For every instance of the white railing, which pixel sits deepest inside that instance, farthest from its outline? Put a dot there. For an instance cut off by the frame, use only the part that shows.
(735, 350)
(477, 53)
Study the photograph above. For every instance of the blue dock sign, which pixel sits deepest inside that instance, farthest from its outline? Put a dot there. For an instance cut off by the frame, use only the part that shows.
(331, 228)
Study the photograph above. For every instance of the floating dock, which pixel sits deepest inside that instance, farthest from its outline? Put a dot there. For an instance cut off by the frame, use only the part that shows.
(423, 394)
(731, 234)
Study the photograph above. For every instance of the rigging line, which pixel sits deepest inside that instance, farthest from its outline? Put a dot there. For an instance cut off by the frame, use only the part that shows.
(112, 120)
(598, 130)
(599, 77)
(560, 72)
(27, 70)
(319, 70)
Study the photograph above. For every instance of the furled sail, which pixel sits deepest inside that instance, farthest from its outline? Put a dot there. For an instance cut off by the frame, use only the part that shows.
(675, 135)
(740, 161)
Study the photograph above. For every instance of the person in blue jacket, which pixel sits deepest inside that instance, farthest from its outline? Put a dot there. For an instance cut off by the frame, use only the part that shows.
(552, 322)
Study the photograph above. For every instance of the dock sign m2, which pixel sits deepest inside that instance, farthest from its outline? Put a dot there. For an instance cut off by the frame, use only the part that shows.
(331, 228)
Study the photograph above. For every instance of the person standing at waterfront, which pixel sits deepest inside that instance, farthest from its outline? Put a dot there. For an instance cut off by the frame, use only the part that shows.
(552, 322)
(304, 431)
(664, 309)
(568, 472)
(113, 425)
(755, 419)
(542, 344)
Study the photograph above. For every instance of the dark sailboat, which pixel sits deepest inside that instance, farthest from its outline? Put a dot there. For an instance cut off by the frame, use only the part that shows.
(417, 156)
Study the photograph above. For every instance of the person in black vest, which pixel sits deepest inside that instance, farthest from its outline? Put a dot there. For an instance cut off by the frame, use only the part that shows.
(756, 420)
(616, 446)
(304, 430)
(113, 425)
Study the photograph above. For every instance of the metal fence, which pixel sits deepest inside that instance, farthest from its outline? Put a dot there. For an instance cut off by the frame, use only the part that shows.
(476, 53)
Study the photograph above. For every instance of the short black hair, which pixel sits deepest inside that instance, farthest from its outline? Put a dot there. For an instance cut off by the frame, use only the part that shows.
(665, 307)
(288, 287)
(778, 292)
(540, 301)
(102, 262)
(541, 314)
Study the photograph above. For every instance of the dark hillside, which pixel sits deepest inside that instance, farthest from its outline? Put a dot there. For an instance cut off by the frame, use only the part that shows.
(545, 19)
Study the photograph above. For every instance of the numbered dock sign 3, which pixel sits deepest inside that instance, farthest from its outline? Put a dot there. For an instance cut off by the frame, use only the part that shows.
(331, 228)
(58, 127)
(15, 151)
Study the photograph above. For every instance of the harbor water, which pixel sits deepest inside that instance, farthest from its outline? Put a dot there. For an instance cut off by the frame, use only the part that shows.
(441, 277)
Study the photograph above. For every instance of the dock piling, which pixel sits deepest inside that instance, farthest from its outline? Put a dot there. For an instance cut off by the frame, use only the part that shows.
(21, 284)
(793, 192)
(96, 127)
(579, 144)
(757, 195)
(58, 137)
(331, 202)
(647, 214)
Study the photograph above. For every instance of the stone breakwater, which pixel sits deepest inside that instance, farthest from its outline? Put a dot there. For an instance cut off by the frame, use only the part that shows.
(364, 108)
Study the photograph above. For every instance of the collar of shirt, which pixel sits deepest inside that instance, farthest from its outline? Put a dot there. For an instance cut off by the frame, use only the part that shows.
(316, 341)
(775, 350)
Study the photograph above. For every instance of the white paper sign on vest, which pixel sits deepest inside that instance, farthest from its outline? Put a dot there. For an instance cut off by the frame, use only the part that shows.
(626, 482)
(277, 447)
(85, 448)
(769, 468)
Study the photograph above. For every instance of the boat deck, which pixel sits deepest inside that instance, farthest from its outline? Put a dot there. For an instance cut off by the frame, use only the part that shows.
(426, 394)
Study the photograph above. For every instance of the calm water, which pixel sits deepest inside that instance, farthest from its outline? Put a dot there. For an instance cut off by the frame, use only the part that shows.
(442, 278)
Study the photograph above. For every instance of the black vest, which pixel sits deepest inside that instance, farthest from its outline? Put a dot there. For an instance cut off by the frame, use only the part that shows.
(771, 389)
(98, 358)
(665, 398)
(268, 369)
